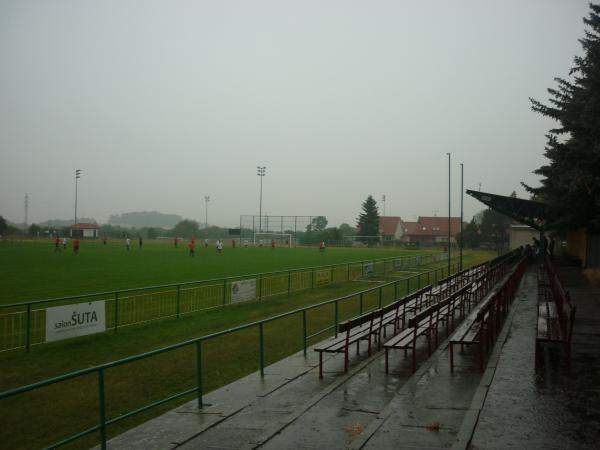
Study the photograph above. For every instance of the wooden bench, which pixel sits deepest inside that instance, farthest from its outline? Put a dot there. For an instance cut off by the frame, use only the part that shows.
(356, 329)
(444, 288)
(371, 325)
(425, 323)
(486, 318)
(556, 314)
(472, 330)
(397, 312)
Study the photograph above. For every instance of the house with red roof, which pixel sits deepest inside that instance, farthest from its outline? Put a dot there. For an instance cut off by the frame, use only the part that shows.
(390, 228)
(84, 230)
(430, 230)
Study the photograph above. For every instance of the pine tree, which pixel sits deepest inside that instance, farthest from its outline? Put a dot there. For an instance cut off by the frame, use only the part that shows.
(368, 220)
(571, 179)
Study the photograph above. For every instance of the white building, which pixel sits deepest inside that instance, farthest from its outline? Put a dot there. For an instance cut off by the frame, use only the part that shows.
(84, 230)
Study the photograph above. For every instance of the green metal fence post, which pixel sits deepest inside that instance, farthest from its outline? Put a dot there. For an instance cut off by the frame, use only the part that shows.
(408, 286)
(337, 317)
(289, 281)
(331, 275)
(224, 291)
(396, 290)
(178, 300)
(101, 409)
(348, 269)
(418, 281)
(312, 278)
(199, 373)
(261, 349)
(116, 310)
(304, 331)
(380, 293)
(28, 332)
(259, 287)
(360, 308)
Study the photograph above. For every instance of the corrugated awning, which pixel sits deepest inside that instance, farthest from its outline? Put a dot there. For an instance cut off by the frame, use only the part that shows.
(529, 212)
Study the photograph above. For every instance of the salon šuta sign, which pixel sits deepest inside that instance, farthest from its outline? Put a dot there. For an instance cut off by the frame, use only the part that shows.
(63, 322)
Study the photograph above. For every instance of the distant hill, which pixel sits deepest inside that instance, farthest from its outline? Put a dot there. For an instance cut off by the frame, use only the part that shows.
(145, 219)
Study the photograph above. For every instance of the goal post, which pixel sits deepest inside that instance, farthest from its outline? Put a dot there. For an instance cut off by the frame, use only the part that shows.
(265, 239)
(297, 230)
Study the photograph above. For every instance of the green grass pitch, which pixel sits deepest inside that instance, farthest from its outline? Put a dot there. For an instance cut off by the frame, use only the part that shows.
(31, 270)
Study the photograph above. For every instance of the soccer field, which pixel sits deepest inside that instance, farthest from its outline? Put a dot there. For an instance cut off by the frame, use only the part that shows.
(31, 270)
(69, 407)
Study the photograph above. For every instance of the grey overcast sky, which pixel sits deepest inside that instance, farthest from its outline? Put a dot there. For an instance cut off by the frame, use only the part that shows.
(163, 102)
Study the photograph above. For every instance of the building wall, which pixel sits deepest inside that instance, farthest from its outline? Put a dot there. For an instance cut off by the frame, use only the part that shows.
(576, 244)
(521, 237)
(85, 233)
(90, 233)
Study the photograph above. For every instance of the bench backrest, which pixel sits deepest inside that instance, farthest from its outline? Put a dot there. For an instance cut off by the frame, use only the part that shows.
(364, 318)
(429, 311)
(358, 320)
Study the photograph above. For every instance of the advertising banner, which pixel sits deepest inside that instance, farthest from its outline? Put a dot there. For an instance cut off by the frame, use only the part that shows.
(64, 322)
(242, 291)
(322, 277)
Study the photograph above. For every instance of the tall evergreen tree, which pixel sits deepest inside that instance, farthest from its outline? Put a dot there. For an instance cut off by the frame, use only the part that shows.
(571, 179)
(368, 220)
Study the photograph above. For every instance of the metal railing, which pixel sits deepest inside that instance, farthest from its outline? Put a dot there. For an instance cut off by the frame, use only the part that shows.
(24, 324)
(365, 300)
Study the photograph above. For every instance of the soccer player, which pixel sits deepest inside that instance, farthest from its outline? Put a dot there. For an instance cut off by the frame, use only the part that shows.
(140, 241)
(76, 245)
(57, 244)
(64, 243)
(219, 246)
(128, 243)
(104, 240)
(272, 244)
(175, 241)
(322, 246)
(206, 243)
(192, 247)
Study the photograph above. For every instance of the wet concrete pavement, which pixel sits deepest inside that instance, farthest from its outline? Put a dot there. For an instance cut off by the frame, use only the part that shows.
(550, 408)
(509, 406)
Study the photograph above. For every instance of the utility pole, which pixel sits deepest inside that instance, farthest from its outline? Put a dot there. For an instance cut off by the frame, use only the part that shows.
(77, 176)
(461, 214)
(26, 212)
(261, 174)
(383, 200)
(449, 252)
(206, 200)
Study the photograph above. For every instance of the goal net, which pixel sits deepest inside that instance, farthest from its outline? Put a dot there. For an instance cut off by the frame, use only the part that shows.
(266, 239)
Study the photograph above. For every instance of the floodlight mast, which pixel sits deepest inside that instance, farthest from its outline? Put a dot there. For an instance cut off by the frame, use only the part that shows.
(206, 200)
(449, 243)
(77, 176)
(462, 189)
(261, 173)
